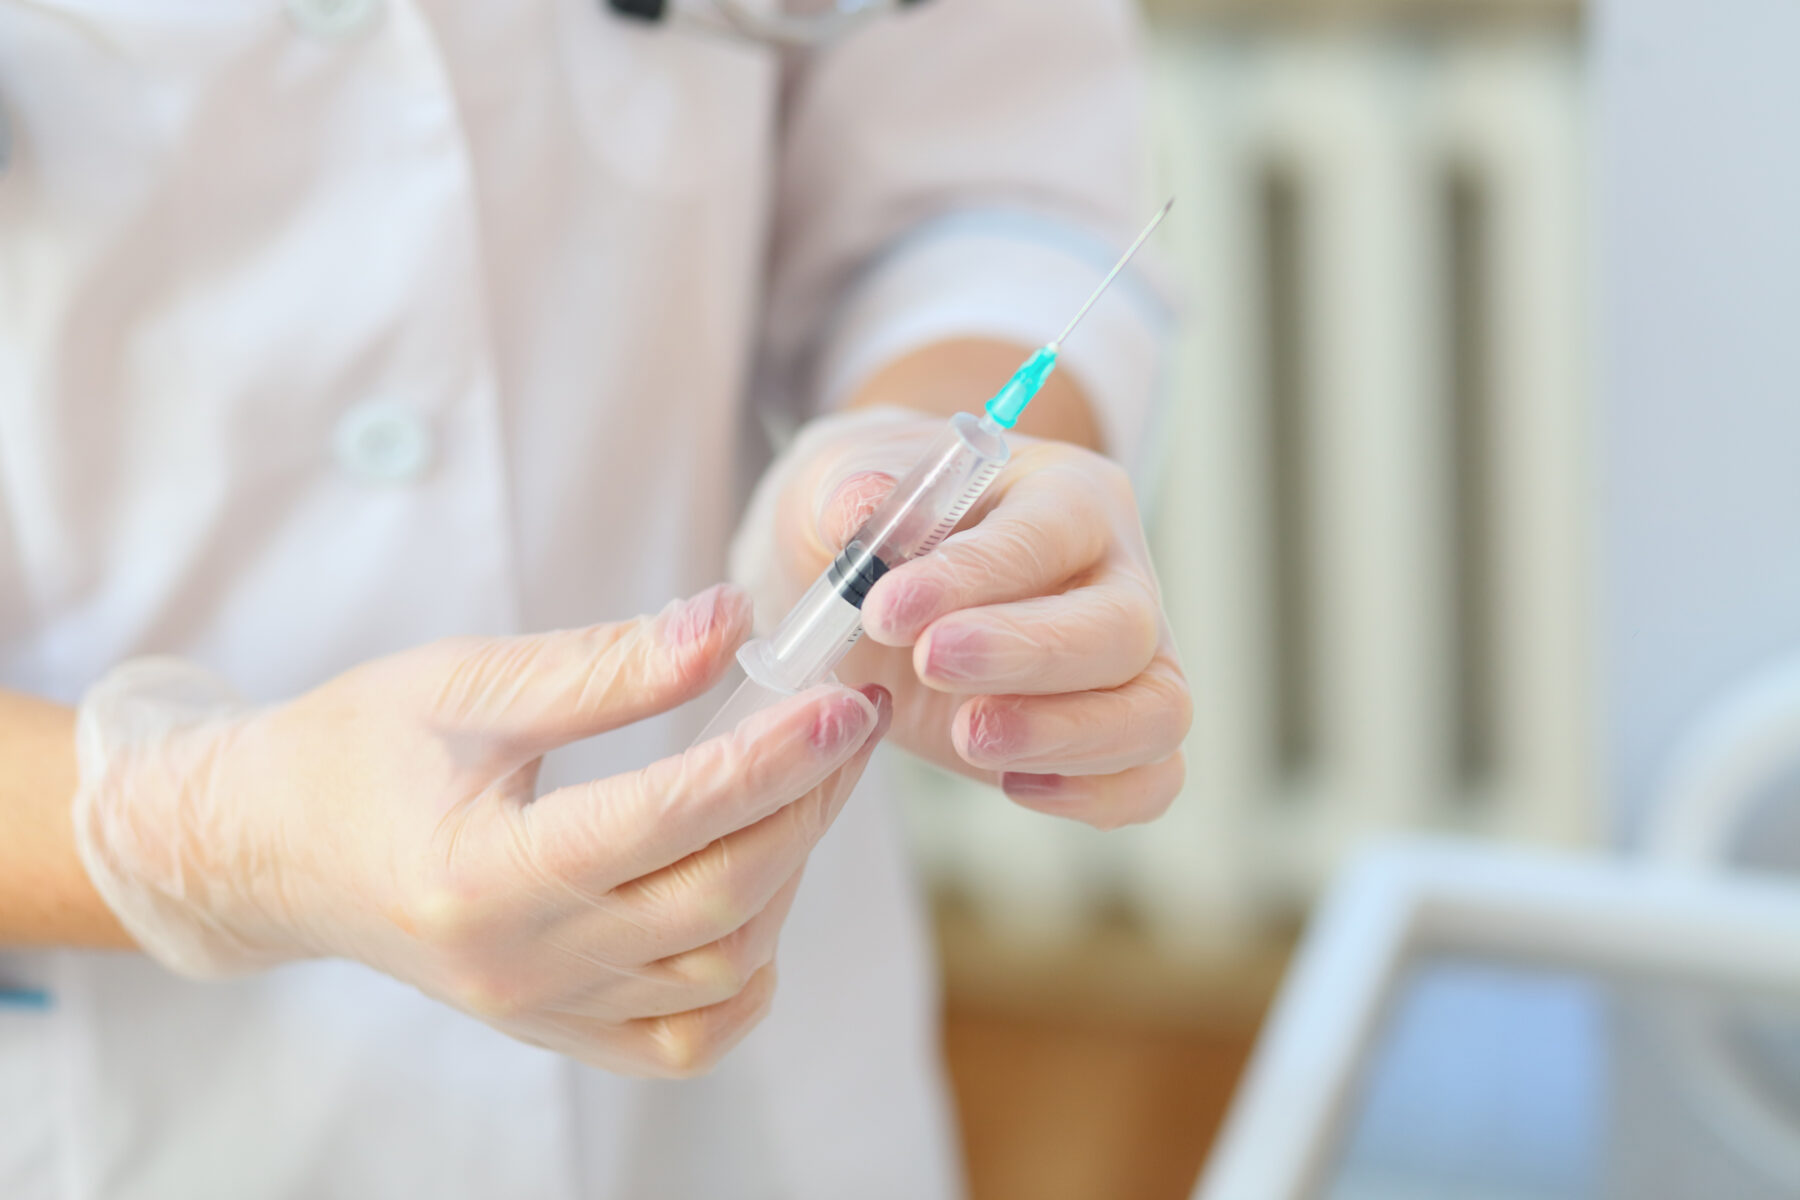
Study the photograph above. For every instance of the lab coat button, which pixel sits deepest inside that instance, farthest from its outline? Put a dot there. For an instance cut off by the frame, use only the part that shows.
(334, 18)
(383, 443)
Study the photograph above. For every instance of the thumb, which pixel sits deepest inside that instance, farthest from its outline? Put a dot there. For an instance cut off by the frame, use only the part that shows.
(781, 545)
(842, 505)
(857, 468)
(544, 690)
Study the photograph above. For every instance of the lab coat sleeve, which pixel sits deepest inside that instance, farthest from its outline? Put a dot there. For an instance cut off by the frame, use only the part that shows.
(968, 168)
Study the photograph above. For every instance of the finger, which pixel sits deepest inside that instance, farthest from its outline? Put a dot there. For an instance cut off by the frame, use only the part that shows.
(708, 895)
(592, 837)
(687, 1044)
(564, 969)
(709, 974)
(1128, 797)
(1045, 529)
(720, 970)
(544, 690)
(1079, 733)
(1101, 635)
(679, 1046)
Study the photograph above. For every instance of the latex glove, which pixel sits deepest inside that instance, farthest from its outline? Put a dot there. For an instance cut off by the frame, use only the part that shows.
(390, 817)
(1029, 649)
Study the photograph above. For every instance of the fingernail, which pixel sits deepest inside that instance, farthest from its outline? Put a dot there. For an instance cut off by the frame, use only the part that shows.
(914, 607)
(988, 733)
(1034, 787)
(837, 724)
(954, 653)
(692, 619)
(883, 700)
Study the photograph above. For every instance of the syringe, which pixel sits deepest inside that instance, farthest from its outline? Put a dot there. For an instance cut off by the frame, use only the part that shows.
(922, 510)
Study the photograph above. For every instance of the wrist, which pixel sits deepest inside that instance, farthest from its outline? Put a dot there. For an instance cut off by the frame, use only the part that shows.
(163, 836)
(46, 898)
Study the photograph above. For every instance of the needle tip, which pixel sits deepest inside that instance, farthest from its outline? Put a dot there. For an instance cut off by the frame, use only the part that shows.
(1162, 212)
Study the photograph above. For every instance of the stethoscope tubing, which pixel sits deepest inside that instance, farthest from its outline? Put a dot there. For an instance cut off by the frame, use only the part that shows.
(777, 29)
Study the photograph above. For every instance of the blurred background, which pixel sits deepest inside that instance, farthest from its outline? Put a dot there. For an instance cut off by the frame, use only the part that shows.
(1372, 516)
(1475, 511)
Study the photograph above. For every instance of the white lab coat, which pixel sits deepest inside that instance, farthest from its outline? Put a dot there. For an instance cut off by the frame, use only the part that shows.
(331, 327)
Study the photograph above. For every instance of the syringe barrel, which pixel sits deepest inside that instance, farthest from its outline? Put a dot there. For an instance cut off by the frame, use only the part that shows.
(921, 511)
(925, 506)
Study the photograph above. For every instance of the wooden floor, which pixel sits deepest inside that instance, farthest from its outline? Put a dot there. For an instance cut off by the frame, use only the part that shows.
(1058, 1109)
(1099, 1073)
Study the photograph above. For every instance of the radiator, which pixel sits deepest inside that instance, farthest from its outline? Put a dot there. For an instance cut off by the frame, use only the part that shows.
(1372, 510)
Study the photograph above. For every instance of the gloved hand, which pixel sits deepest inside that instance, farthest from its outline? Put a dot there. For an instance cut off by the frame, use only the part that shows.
(1029, 649)
(390, 816)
